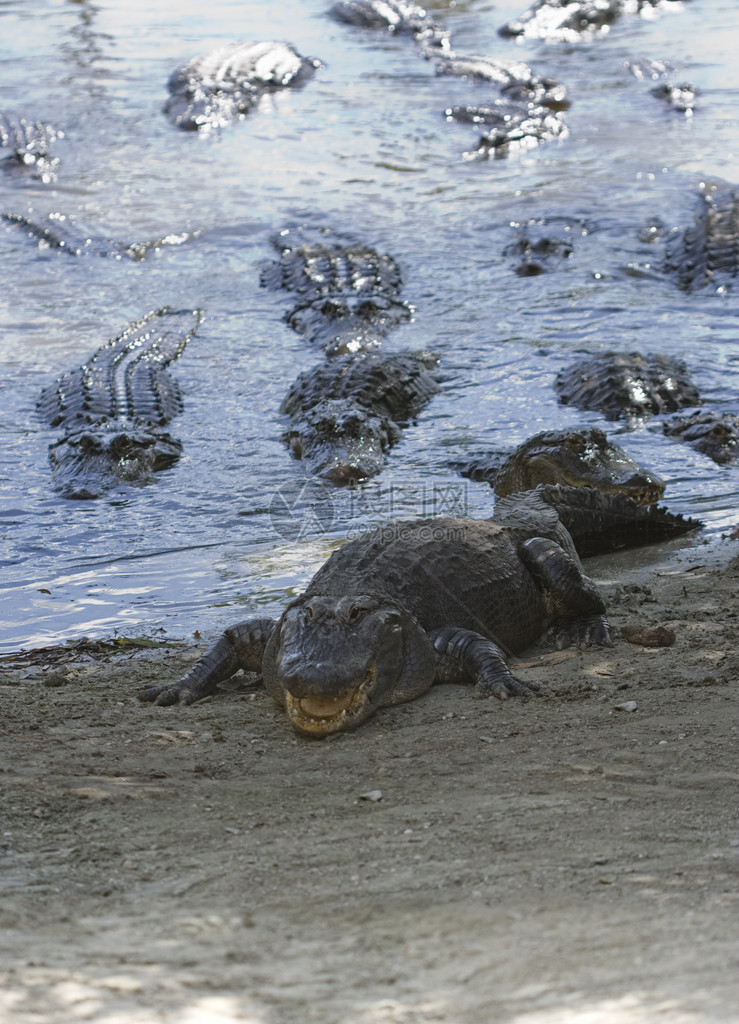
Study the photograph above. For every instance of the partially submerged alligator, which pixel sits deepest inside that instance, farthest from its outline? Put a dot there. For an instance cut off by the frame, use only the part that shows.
(348, 294)
(627, 385)
(707, 252)
(396, 16)
(347, 413)
(582, 457)
(222, 87)
(527, 112)
(417, 603)
(62, 234)
(527, 109)
(543, 242)
(569, 21)
(28, 146)
(112, 407)
(714, 435)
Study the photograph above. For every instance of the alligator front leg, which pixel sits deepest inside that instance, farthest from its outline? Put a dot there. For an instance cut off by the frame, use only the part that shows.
(462, 654)
(240, 646)
(576, 608)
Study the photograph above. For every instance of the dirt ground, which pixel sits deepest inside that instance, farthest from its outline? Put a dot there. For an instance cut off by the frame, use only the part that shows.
(570, 858)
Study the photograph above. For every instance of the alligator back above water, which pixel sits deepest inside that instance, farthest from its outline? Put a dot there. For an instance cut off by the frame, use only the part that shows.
(707, 252)
(420, 602)
(222, 87)
(627, 385)
(27, 145)
(710, 433)
(60, 233)
(345, 414)
(582, 457)
(568, 21)
(396, 16)
(112, 407)
(348, 294)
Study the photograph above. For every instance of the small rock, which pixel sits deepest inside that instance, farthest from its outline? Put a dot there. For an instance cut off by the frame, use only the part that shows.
(628, 705)
(374, 795)
(655, 636)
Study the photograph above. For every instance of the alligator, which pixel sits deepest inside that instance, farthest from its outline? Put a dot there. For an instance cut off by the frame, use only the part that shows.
(582, 457)
(28, 145)
(679, 97)
(515, 127)
(222, 87)
(707, 252)
(527, 112)
(569, 21)
(112, 407)
(627, 386)
(347, 293)
(347, 413)
(62, 234)
(415, 603)
(544, 242)
(714, 435)
(396, 16)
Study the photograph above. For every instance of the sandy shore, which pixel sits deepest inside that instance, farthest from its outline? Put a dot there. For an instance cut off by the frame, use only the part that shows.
(571, 858)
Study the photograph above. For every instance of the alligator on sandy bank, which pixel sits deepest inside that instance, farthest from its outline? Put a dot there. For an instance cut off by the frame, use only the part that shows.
(396, 16)
(26, 145)
(708, 251)
(568, 21)
(627, 386)
(113, 407)
(348, 294)
(714, 435)
(345, 414)
(222, 87)
(576, 458)
(62, 234)
(416, 603)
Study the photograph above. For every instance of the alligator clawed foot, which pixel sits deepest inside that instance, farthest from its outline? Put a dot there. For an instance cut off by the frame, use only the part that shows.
(505, 688)
(166, 695)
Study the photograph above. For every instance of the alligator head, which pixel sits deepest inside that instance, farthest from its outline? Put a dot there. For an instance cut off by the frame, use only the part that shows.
(333, 661)
(342, 441)
(577, 458)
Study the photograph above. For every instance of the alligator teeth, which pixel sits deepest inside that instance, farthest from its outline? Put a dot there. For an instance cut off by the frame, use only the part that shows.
(319, 716)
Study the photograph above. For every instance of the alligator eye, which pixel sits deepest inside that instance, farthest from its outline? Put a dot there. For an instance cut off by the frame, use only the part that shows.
(354, 613)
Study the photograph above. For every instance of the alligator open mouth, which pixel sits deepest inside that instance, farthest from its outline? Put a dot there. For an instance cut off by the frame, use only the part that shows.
(320, 715)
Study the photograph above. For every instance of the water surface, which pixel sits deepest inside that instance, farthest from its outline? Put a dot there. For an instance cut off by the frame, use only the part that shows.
(363, 148)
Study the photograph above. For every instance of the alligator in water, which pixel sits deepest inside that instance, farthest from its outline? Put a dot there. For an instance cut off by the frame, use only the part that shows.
(113, 407)
(222, 87)
(714, 435)
(28, 146)
(543, 243)
(524, 114)
(62, 234)
(416, 603)
(527, 112)
(627, 386)
(347, 293)
(707, 252)
(569, 21)
(582, 457)
(396, 16)
(345, 414)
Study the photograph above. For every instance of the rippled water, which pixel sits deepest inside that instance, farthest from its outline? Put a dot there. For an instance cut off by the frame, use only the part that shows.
(363, 148)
